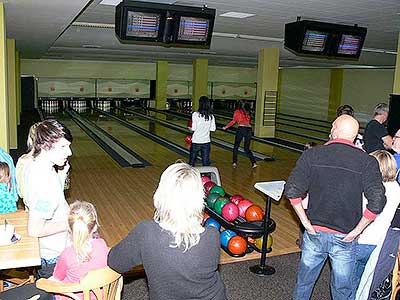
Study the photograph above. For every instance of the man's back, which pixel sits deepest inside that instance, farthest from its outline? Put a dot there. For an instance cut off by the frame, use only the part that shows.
(335, 175)
(373, 134)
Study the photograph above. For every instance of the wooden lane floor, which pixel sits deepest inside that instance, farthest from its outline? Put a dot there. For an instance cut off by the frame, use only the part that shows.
(123, 196)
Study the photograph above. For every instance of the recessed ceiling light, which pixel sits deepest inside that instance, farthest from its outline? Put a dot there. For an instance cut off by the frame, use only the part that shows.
(239, 15)
(110, 2)
(91, 46)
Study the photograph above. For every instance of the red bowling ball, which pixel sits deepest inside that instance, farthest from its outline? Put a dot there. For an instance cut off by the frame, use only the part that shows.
(230, 212)
(236, 198)
(205, 179)
(237, 245)
(254, 213)
(243, 205)
(188, 139)
(208, 186)
(189, 123)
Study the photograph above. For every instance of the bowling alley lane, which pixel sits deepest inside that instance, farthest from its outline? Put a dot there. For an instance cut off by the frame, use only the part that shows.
(123, 196)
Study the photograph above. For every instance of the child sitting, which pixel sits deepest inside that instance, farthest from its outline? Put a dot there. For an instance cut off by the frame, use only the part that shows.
(8, 202)
(86, 253)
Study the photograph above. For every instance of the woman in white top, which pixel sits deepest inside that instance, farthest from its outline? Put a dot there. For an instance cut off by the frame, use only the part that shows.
(373, 236)
(202, 123)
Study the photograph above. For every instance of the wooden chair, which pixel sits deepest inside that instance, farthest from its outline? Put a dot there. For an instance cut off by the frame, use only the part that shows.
(105, 283)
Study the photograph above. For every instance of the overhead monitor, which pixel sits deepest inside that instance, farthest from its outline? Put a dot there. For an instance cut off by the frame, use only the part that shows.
(164, 24)
(350, 44)
(315, 41)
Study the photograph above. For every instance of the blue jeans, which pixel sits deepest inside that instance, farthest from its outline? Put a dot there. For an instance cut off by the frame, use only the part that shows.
(315, 251)
(363, 252)
(205, 153)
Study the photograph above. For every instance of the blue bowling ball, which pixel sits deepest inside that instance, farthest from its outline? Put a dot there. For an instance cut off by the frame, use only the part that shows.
(212, 222)
(226, 235)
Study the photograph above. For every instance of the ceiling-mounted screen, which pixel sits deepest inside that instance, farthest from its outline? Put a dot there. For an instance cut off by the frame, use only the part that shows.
(315, 41)
(164, 24)
(193, 29)
(142, 24)
(349, 44)
(320, 39)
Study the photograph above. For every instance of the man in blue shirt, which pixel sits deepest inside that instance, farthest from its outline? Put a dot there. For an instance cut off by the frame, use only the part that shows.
(396, 149)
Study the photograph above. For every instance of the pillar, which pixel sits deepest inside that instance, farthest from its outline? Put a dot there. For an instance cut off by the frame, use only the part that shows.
(200, 81)
(161, 84)
(396, 84)
(4, 143)
(12, 95)
(335, 92)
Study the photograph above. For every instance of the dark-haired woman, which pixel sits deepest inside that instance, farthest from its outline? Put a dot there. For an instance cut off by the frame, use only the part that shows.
(241, 116)
(202, 123)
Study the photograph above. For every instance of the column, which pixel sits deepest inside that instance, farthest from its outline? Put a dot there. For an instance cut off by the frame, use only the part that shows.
(18, 85)
(161, 84)
(335, 92)
(12, 95)
(267, 91)
(4, 143)
(200, 81)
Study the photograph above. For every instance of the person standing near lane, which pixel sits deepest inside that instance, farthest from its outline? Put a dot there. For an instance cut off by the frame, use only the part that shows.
(241, 116)
(202, 123)
(376, 136)
(335, 176)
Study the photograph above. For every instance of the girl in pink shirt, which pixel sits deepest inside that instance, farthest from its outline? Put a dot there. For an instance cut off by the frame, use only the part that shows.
(86, 252)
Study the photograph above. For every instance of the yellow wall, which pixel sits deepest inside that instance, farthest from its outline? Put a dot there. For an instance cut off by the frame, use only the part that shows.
(12, 94)
(4, 142)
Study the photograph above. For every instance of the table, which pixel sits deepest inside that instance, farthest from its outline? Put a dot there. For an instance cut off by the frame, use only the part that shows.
(25, 252)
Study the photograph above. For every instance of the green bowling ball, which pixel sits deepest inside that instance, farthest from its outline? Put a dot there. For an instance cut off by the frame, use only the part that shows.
(211, 198)
(218, 189)
(219, 204)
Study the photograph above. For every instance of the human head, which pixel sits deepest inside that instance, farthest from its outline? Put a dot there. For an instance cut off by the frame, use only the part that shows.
(345, 110)
(204, 106)
(309, 145)
(82, 223)
(396, 142)
(381, 112)
(179, 203)
(387, 165)
(50, 142)
(344, 127)
(4, 172)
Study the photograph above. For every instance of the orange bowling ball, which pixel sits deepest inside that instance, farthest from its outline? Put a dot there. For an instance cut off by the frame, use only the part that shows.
(237, 245)
(254, 213)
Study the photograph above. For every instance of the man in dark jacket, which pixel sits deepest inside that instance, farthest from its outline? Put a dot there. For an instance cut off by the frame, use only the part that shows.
(334, 176)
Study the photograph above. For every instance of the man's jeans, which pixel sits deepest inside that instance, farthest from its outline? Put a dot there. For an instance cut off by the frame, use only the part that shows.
(315, 251)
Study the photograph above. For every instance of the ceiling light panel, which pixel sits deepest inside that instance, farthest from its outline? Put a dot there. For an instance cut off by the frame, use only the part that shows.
(238, 15)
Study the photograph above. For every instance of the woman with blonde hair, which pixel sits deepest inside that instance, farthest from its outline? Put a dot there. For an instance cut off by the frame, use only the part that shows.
(179, 255)
(372, 238)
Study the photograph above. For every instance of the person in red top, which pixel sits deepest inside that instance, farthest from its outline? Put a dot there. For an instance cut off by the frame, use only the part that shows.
(241, 116)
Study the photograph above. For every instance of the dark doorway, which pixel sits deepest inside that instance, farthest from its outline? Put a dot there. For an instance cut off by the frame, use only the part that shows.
(28, 93)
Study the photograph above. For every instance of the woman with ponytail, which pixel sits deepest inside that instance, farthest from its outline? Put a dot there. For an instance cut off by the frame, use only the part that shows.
(241, 116)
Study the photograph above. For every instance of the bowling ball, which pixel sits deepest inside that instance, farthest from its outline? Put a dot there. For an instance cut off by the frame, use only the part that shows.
(258, 242)
(208, 186)
(189, 123)
(254, 213)
(211, 199)
(188, 139)
(205, 179)
(213, 223)
(230, 211)
(219, 204)
(226, 235)
(237, 245)
(236, 198)
(243, 205)
(218, 189)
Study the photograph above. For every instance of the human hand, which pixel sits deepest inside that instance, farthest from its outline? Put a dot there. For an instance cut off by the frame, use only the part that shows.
(224, 128)
(310, 229)
(351, 236)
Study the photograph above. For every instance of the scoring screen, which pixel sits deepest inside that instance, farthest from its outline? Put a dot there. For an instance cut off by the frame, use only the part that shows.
(349, 44)
(314, 41)
(143, 25)
(193, 29)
